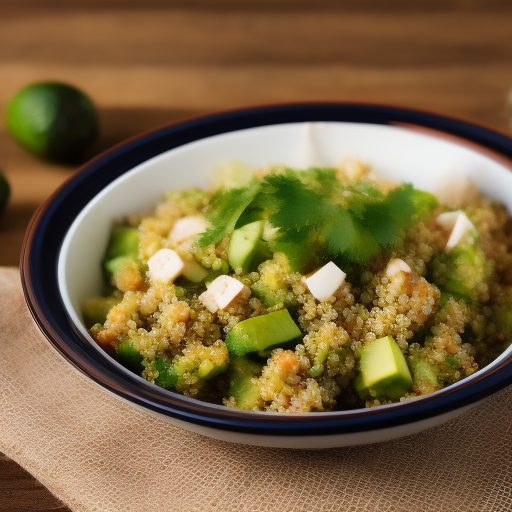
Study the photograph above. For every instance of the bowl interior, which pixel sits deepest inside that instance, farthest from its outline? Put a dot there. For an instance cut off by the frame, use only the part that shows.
(427, 159)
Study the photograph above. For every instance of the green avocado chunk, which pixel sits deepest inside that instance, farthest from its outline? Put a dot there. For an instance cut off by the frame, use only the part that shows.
(384, 370)
(298, 254)
(460, 271)
(123, 243)
(241, 372)
(130, 357)
(246, 248)
(95, 310)
(260, 332)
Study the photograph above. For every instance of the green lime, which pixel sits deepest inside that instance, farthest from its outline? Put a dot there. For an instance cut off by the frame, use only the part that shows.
(53, 120)
(5, 192)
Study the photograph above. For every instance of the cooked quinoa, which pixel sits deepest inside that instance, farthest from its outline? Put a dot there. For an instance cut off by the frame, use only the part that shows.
(169, 312)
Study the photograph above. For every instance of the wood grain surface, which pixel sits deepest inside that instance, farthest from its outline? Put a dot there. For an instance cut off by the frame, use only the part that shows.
(146, 64)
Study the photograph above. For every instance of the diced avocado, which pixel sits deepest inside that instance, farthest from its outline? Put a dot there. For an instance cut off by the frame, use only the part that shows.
(460, 271)
(208, 370)
(194, 272)
(116, 264)
(383, 368)
(241, 372)
(298, 254)
(260, 332)
(246, 248)
(95, 309)
(129, 357)
(123, 243)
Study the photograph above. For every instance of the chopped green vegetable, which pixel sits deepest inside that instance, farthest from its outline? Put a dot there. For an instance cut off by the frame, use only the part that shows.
(299, 254)
(95, 309)
(130, 357)
(123, 244)
(242, 374)
(459, 272)
(167, 377)
(194, 272)
(246, 248)
(384, 370)
(260, 332)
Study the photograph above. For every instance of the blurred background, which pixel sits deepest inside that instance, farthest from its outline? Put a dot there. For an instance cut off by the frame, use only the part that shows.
(145, 63)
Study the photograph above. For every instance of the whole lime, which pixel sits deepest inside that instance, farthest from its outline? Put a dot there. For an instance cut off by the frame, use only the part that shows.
(53, 120)
(5, 192)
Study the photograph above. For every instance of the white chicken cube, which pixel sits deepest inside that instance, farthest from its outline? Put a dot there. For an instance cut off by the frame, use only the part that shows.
(457, 224)
(221, 293)
(325, 281)
(186, 228)
(165, 265)
(397, 265)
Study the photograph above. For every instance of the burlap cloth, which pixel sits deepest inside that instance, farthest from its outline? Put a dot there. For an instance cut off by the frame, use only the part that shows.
(96, 452)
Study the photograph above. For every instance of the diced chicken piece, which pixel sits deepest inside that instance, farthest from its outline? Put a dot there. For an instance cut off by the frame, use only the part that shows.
(223, 292)
(325, 281)
(457, 224)
(397, 265)
(186, 228)
(165, 265)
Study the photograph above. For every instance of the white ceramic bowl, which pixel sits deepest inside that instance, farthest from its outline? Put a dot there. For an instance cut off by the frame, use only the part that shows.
(67, 238)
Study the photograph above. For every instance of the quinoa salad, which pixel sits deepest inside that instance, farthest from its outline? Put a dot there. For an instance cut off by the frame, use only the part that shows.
(307, 290)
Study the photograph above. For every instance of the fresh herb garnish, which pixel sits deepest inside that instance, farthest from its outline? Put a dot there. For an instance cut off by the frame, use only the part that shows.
(226, 208)
(355, 222)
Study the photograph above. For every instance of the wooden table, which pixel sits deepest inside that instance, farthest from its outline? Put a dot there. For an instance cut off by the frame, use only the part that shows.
(153, 62)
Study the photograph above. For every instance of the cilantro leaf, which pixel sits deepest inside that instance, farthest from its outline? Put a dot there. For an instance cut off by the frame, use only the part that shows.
(384, 228)
(400, 204)
(406, 205)
(355, 221)
(296, 205)
(320, 179)
(360, 196)
(226, 208)
(346, 236)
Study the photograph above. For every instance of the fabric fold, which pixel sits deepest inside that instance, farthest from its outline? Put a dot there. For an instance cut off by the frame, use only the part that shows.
(98, 453)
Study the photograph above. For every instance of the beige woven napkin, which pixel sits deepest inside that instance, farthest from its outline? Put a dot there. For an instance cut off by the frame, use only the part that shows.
(98, 453)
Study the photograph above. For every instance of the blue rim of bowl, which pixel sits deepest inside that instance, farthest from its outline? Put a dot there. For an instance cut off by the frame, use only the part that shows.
(51, 222)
